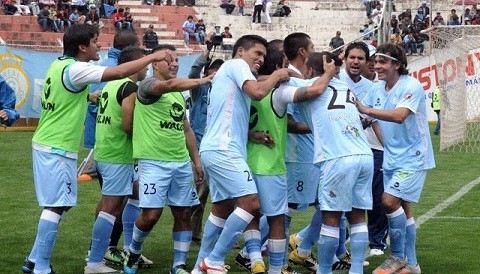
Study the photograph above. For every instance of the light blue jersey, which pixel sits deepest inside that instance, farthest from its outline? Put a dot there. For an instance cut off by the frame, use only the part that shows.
(334, 114)
(408, 145)
(228, 111)
(299, 146)
(361, 89)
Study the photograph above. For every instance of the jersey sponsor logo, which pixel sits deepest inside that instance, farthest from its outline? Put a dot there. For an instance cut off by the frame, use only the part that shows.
(351, 130)
(102, 106)
(177, 113)
(14, 75)
(46, 94)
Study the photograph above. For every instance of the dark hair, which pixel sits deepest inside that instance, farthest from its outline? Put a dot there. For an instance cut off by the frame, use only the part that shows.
(215, 64)
(276, 42)
(360, 46)
(247, 42)
(397, 52)
(190, 17)
(130, 53)
(273, 59)
(164, 46)
(121, 10)
(293, 42)
(78, 35)
(315, 61)
(125, 38)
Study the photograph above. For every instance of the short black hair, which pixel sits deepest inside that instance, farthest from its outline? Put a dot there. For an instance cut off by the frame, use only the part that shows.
(125, 38)
(247, 42)
(293, 42)
(215, 64)
(315, 61)
(273, 59)
(130, 53)
(78, 35)
(358, 45)
(164, 46)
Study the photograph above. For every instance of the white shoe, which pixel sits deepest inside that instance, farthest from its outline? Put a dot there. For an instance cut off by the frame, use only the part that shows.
(376, 252)
(102, 268)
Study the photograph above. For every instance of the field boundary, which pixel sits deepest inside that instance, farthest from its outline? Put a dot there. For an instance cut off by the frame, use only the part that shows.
(440, 207)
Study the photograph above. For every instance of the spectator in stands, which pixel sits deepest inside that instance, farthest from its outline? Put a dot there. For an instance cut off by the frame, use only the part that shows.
(119, 20)
(267, 7)
(438, 20)
(406, 17)
(227, 34)
(63, 20)
(81, 5)
(45, 20)
(42, 3)
(396, 38)
(227, 5)
(420, 19)
(129, 18)
(467, 17)
(75, 18)
(8, 113)
(92, 17)
(21, 9)
(33, 5)
(425, 10)
(201, 29)
(393, 22)
(241, 5)
(453, 19)
(281, 9)
(410, 43)
(257, 10)
(376, 16)
(9, 7)
(366, 32)
(66, 5)
(336, 42)
(188, 28)
(150, 38)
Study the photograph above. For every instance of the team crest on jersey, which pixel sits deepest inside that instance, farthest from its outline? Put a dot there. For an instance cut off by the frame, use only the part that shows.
(395, 100)
(378, 102)
(13, 73)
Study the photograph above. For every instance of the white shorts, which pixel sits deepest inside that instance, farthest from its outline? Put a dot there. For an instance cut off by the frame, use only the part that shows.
(55, 178)
(405, 185)
(228, 177)
(166, 183)
(272, 191)
(117, 178)
(346, 183)
(303, 181)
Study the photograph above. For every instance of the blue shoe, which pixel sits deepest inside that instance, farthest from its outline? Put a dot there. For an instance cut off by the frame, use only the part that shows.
(130, 264)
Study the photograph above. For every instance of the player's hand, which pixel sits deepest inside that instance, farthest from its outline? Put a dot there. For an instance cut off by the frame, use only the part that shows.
(199, 175)
(329, 67)
(94, 97)
(163, 55)
(361, 108)
(282, 74)
(261, 137)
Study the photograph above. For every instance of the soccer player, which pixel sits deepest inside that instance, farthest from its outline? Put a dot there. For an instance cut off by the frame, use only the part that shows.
(56, 141)
(113, 155)
(398, 103)
(198, 122)
(164, 145)
(342, 152)
(357, 55)
(269, 116)
(223, 150)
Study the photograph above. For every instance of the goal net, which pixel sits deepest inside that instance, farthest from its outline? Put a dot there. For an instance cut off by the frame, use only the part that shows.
(456, 57)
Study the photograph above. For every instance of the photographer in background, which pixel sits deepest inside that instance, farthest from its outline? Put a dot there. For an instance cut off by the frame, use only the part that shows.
(8, 113)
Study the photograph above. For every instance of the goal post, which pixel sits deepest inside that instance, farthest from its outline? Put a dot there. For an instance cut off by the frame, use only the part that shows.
(456, 56)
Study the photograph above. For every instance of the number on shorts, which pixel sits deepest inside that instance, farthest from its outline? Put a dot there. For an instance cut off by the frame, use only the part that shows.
(300, 186)
(149, 188)
(69, 188)
(249, 176)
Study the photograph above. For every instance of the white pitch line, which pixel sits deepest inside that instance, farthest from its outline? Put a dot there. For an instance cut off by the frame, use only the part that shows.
(452, 199)
(456, 218)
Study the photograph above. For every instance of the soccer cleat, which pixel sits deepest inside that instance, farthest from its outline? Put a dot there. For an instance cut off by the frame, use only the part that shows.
(258, 267)
(28, 266)
(243, 262)
(114, 255)
(130, 264)
(390, 265)
(344, 263)
(213, 269)
(179, 269)
(376, 252)
(102, 268)
(293, 241)
(286, 269)
(410, 269)
(306, 261)
(143, 262)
